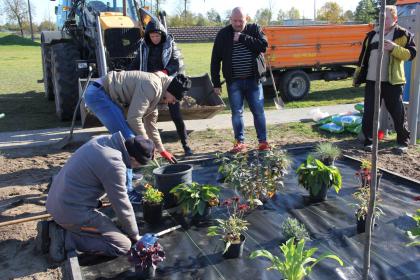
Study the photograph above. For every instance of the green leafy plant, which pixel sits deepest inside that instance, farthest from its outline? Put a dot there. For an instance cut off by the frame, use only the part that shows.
(257, 176)
(414, 233)
(313, 174)
(293, 228)
(366, 164)
(152, 195)
(231, 228)
(297, 262)
(194, 197)
(327, 152)
(362, 196)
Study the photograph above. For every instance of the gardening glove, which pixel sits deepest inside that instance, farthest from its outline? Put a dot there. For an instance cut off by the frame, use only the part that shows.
(168, 156)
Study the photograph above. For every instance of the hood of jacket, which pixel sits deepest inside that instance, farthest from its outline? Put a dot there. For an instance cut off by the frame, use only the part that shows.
(155, 26)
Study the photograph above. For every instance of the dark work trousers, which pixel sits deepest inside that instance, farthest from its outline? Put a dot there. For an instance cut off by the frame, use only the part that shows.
(392, 96)
(175, 111)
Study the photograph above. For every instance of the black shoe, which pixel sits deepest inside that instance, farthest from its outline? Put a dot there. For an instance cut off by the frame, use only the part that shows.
(368, 148)
(135, 197)
(402, 149)
(187, 151)
(56, 250)
(42, 241)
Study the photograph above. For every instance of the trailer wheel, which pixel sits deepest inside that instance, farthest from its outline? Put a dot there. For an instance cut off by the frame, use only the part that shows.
(64, 77)
(295, 85)
(46, 70)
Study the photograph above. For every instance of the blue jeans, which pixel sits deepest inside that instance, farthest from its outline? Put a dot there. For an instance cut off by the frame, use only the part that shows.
(252, 91)
(110, 115)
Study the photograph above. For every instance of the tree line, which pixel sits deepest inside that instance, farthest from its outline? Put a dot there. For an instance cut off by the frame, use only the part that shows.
(17, 14)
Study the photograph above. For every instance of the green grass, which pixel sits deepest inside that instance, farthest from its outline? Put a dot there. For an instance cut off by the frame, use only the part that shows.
(22, 98)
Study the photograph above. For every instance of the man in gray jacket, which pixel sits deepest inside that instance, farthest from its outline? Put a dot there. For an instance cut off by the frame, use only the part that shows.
(96, 168)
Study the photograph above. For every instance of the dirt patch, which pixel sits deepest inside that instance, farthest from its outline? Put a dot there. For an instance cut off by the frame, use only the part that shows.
(26, 173)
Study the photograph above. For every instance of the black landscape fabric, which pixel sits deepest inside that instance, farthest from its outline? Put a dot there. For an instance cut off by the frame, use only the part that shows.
(191, 254)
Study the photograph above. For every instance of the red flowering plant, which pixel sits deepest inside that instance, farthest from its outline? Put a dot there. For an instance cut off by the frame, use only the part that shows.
(147, 252)
(364, 174)
(230, 229)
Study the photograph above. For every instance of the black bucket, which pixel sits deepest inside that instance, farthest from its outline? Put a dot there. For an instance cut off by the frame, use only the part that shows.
(361, 224)
(235, 250)
(169, 176)
(148, 273)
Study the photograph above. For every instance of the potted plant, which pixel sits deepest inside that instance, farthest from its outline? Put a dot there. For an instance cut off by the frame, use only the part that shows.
(232, 228)
(257, 176)
(317, 178)
(327, 153)
(297, 262)
(414, 233)
(196, 199)
(145, 255)
(364, 174)
(293, 228)
(152, 204)
(362, 197)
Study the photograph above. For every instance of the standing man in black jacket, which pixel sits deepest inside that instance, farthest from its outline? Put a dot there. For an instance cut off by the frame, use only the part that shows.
(240, 47)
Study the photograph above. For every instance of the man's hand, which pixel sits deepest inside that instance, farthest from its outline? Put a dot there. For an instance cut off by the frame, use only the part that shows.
(389, 45)
(217, 91)
(168, 156)
(236, 36)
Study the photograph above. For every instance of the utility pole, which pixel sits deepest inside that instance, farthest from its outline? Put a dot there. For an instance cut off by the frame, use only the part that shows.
(30, 20)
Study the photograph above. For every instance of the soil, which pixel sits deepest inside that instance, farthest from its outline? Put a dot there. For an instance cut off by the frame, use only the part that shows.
(26, 172)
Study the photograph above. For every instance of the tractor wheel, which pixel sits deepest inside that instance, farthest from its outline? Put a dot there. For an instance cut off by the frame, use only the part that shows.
(65, 78)
(295, 85)
(46, 70)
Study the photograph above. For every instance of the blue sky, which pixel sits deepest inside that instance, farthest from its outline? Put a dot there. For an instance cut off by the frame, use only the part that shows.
(45, 8)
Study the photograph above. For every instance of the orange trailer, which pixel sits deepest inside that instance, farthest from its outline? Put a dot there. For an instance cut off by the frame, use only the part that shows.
(299, 54)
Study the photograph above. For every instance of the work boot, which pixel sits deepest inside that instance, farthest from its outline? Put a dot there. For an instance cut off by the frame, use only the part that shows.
(238, 147)
(56, 250)
(134, 197)
(402, 149)
(263, 146)
(187, 151)
(42, 240)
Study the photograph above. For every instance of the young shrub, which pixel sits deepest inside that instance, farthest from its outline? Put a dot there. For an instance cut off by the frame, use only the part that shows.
(152, 195)
(297, 262)
(293, 228)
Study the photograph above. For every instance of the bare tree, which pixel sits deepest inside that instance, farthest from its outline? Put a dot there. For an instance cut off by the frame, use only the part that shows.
(16, 10)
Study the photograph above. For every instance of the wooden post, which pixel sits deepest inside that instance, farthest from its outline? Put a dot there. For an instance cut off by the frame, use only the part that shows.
(372, 197)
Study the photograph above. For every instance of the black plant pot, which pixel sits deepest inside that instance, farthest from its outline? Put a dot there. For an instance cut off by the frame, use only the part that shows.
(320, 196)
(328, 162)
(169, 176)
(235, 250)
(197, 218)
(148, 273)
(152, 213)
(361, 224)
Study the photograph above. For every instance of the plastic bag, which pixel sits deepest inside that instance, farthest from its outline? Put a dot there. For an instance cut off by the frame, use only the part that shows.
(326, 120)
(359, 107)
(317, 114)
(354, 129)
(347, 120)
(332, 127)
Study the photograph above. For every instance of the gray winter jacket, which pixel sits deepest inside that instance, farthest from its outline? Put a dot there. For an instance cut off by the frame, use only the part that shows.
(96, 168)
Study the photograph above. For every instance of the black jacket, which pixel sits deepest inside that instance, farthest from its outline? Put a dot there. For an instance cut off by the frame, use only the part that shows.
(252, 37)
(170, 56)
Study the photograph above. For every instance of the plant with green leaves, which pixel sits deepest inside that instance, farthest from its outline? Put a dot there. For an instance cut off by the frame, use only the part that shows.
(152, 195)
(291, 227)
(327, 152)
(194, 198)
(257, 176)
(414, 233)
(313, 174)
(297, 262)
(231, 228)
(362, 197)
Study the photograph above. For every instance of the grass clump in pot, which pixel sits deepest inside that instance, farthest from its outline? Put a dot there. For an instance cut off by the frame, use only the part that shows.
(291, 227)
(327, 153)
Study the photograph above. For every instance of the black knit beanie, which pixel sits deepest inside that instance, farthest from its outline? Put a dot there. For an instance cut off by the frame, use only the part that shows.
(140, 148)
(179, 86)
